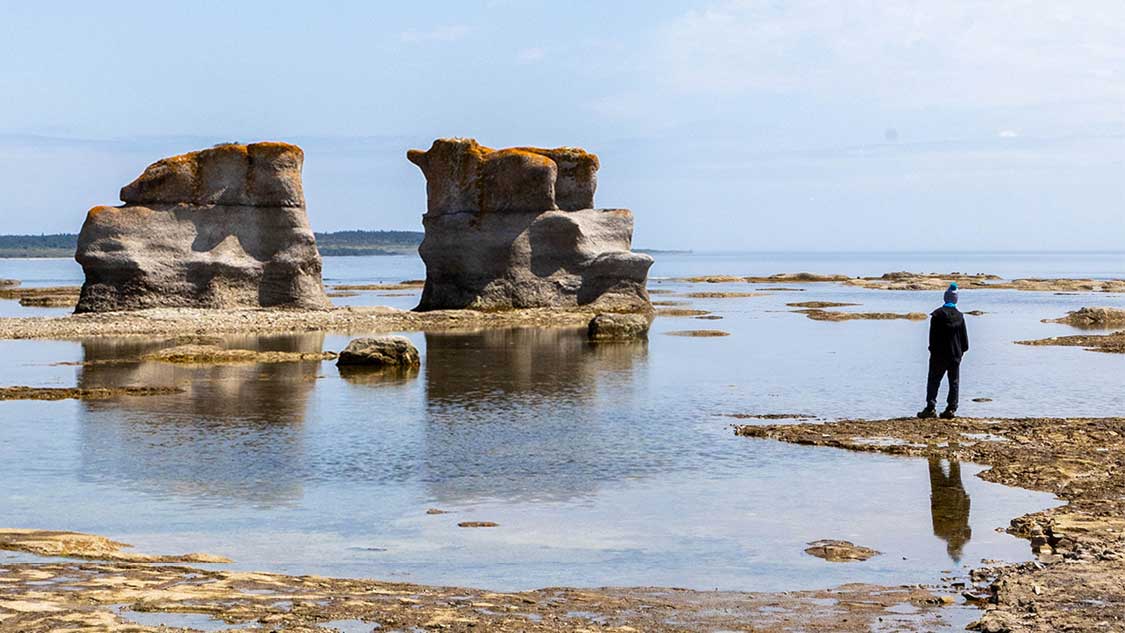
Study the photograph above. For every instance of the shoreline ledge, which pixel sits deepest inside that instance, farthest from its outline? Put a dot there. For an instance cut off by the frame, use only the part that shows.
(1078, 581)
(42, 597)
(346, 320)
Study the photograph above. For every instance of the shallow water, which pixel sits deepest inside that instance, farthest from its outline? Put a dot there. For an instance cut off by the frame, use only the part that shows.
(602, 465)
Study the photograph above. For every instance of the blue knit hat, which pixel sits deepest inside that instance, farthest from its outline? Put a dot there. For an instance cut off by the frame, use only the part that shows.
(951, 295)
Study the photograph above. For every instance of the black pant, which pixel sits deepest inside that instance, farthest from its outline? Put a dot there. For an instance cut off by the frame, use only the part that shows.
(939, 367)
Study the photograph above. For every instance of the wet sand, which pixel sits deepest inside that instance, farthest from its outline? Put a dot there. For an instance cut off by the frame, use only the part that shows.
(1078, 583)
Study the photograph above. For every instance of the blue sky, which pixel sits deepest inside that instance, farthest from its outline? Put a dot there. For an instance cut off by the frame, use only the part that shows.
(723, 124)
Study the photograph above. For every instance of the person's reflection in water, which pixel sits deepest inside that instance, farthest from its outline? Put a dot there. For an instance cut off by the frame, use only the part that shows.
(949, 507)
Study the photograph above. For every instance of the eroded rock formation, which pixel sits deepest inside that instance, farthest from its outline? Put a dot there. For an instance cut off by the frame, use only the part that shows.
(219, 228)
(516, 228)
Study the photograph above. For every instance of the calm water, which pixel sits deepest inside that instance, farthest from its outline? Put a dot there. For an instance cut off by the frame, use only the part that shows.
(607, 464)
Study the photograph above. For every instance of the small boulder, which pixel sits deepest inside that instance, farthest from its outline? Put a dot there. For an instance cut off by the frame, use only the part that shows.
(380, 351)
(618, 327)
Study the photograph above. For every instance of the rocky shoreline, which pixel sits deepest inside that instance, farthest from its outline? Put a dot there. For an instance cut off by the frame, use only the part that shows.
(1077, 582)
(41, 597)
(923, 281)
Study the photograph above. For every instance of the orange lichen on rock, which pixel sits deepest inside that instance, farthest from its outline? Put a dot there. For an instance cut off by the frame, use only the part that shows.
(99, 209)
(220, 227)
(266, 174)
(464, 176)
(517, 228)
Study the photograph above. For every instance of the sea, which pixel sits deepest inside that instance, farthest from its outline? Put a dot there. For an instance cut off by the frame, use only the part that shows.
(602, 465)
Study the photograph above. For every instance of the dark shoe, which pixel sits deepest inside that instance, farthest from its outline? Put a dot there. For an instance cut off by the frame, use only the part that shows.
(928, 412)
(949, 414)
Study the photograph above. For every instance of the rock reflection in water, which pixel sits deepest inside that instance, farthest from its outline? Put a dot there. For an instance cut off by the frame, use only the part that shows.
(234, 433)
(949, 506)
(521, 415)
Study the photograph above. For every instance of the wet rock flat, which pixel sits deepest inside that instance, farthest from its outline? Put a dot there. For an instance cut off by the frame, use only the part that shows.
(90, 546)
(769, 416)
(50, 301)
(73, 393)
(820, 304)
(681, 312)
(23, 292)
(1093, 318)
(1109, 343)
(698, 333)
(722, 295)
(192, 354)
(837, 551)
(925, 281)
(190, 321)
(796, 277)
(1078, 584)
(402, 285)
(828, 315)
(88, 597)
(981, 281)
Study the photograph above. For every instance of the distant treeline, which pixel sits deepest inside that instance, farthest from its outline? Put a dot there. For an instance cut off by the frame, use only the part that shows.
(337, 243)
(368, 242)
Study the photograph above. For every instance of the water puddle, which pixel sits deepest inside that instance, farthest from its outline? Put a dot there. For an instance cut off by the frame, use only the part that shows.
(351, 626)
(196, 621)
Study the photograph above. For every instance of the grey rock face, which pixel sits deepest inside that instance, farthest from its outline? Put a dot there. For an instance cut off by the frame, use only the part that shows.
(219, 228)
(618, 327)
(515, 228)
(380, 351)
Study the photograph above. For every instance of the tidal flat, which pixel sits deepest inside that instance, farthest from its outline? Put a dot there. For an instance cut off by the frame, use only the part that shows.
(600, 464)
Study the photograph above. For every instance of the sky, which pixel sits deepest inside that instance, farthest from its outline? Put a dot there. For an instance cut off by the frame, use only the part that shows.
(723, 124)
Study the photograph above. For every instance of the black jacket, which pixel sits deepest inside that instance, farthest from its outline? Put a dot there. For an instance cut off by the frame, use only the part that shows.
(949, 339)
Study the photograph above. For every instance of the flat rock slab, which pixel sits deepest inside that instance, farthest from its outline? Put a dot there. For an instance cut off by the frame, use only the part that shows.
(193, 354)
(49, 597)
(1093, 318)
(835, 551)
(91, 546)
(74, 393)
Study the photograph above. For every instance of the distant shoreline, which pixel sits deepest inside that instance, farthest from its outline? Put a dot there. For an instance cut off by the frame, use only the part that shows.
(333, 244)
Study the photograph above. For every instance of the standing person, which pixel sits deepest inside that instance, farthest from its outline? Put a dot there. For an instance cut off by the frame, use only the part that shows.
(949, 340)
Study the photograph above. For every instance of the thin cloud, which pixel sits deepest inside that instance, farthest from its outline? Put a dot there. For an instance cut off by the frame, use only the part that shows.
(447, 33)
(1001, 53)
(530, 55)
